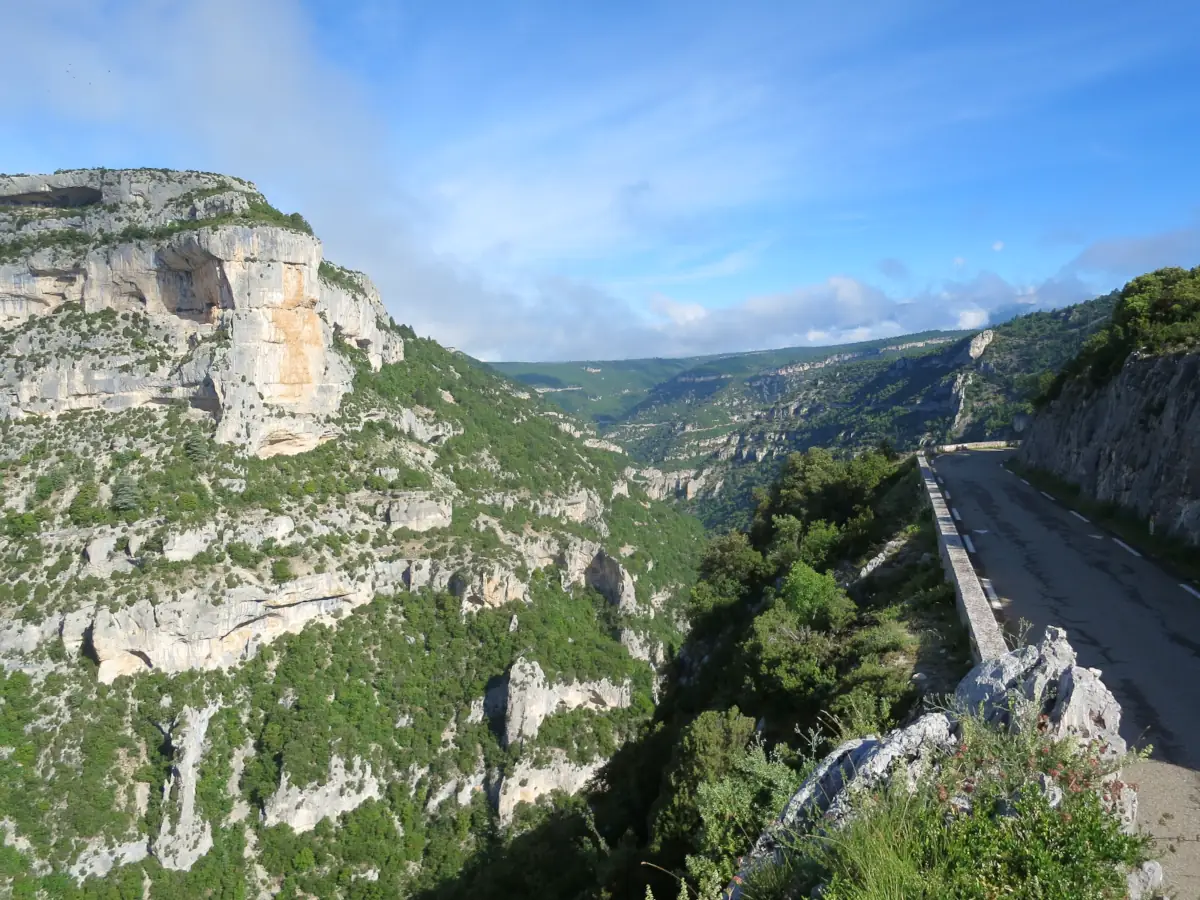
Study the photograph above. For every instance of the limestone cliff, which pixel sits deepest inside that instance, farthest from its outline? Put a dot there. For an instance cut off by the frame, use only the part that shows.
(1135, 441)
(263, 553)
(242, 320)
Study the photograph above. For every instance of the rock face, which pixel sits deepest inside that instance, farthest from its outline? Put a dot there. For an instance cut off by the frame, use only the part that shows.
(685, 484)
(489, 587)
(302, 808)
(528, 782)
(194, 633)
(183, 841)
(529, 699)
(98, 859)
(1039, 679)
(244, 323)
(1134, 442)
(609, 577)
(979, 343)
(418, 511)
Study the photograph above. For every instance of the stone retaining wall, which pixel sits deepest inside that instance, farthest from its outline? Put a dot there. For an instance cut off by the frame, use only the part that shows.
(987, 642)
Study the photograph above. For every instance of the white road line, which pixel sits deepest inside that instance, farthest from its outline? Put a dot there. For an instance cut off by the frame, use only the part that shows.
(947, 493)
(967, 541)
(1044, 494)
(1124, 546)
(1098, 537)
(1191, 590)
(989, 590)
(1079, 517)
(954, 512)
(1026, 483)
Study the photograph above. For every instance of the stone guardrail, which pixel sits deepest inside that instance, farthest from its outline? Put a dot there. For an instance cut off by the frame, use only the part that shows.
(987, 641)
(978, 445)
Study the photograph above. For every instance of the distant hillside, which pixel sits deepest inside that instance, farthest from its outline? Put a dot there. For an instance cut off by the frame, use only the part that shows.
(715, 427)
(608, 391)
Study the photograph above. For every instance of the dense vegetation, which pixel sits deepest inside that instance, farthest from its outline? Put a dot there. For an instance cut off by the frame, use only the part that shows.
(1154, 313)
(781, 661)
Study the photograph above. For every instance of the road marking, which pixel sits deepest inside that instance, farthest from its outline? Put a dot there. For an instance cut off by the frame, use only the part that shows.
(1044, 494)
(967, 540)
(1026, 483)
(1098, 537)
(1191, 590)
(1124, 546)
(954, 512)
(981, 531)
(993, 597)
(947, 493)
(1079, 517)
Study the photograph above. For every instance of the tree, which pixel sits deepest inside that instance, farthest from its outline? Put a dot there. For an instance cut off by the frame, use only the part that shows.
(707, 750)
(281, 571)
(126, 495)
(816, 599)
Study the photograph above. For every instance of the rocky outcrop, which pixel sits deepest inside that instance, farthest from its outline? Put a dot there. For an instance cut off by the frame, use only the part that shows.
(978, 344)
(600, 444)
(528, 699)
(581, 505)
(1134, 441)
(1038, 684)
(417, 511)
(98, 859)
(193, 632)
(344, 790)
(183, 836)
(606, 575)
(684, 484)
(242, 322)
(528, 782)
(488, 588)
(642, 647)
(186, 545)
(358, 317)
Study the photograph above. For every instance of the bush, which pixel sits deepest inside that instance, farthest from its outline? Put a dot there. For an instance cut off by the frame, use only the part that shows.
(816, 599)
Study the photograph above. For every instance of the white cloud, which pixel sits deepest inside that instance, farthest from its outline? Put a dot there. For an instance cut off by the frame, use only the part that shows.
(636, 163)
(998, 246)
(959, 262)
(972, 318)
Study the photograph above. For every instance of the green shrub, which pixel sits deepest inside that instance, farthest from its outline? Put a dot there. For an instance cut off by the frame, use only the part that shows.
(281, 571)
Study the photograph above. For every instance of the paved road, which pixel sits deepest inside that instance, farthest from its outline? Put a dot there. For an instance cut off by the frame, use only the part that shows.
(1123, 614)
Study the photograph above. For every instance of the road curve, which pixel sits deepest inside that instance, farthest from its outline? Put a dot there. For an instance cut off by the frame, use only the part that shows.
(1123, 614)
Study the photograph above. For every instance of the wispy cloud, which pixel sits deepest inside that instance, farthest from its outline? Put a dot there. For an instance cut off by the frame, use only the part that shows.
(476, 224)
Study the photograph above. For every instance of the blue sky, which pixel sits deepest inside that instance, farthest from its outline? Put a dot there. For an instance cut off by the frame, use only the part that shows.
(545, 180)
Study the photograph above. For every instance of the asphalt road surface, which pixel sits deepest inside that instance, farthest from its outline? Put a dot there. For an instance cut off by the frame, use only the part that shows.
(1044, 563)
(1123, 614)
